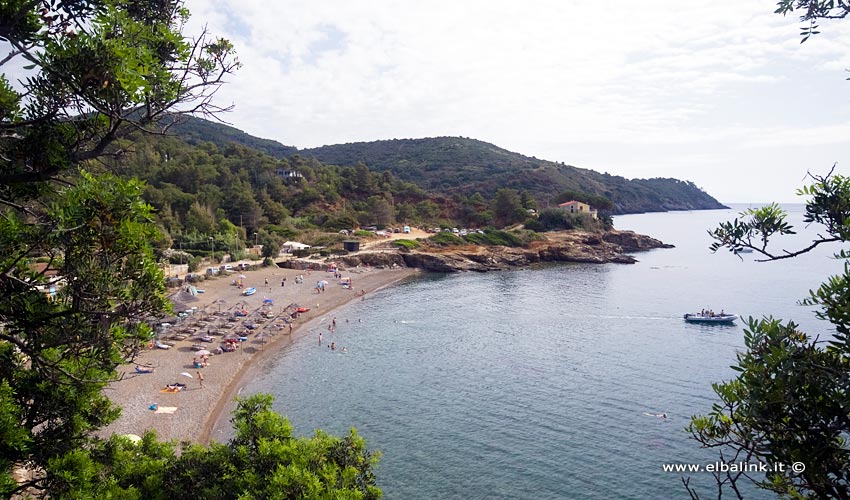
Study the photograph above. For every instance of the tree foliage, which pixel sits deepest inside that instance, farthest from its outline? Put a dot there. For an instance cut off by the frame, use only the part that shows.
(263, 460)
(458, 165)
(97, 72)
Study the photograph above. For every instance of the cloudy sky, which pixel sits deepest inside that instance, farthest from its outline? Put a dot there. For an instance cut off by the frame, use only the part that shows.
(718, 92)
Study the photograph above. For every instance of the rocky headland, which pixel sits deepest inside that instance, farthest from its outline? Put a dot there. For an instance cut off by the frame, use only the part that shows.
(565, 246)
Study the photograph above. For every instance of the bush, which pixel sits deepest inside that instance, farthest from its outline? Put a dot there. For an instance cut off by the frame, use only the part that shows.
(408, 244)
(446, 239)
(534, 224)
(194, 263)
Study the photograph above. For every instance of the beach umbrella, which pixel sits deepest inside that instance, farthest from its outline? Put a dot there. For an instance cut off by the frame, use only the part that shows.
(241, 276)
(186, 374)
(202, 352)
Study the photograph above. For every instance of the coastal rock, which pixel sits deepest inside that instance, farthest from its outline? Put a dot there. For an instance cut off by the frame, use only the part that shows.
(564, 246)
(630, 241)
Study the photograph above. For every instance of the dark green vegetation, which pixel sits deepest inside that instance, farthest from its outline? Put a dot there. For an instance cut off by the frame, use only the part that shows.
(228, 191)
(790, 402)
(488, 238)
(197, 131)
(263, 460)
(465, 166)
(102, 71)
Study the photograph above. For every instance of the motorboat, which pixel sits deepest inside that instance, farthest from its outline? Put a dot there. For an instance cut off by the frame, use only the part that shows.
(720, 319)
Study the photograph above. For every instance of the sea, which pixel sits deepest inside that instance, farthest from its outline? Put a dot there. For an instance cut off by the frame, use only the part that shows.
(546, 382)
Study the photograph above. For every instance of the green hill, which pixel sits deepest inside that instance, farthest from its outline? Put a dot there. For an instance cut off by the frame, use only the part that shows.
(460, 165)
(197, 130)
(449, 166)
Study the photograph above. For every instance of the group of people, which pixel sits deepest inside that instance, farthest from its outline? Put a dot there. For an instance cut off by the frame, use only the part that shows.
(709, 313)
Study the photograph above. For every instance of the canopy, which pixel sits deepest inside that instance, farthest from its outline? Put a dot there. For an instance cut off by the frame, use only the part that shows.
(202, 352)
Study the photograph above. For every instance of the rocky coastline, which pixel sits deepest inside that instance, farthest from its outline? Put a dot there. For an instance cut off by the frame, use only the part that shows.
(566, 246)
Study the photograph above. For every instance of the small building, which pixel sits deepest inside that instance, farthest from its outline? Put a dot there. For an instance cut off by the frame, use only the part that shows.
(290, 246)
(577, 207)
(351, 245)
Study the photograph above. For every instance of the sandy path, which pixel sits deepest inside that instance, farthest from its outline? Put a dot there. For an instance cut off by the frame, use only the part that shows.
(197, 408)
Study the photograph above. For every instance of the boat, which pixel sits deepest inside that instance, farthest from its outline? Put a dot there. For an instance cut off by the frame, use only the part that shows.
(250, 291)
(720, 319)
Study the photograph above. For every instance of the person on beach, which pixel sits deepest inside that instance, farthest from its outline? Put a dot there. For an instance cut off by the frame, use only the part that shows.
(267, 282)
(290, 329)
(200, 378)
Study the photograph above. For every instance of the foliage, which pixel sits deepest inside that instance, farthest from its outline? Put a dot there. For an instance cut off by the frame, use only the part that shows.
(789, 402)
(446, 239)
(408, 244)
(600, 203)
(58, 353)
(507, 207)
(495, 238)
(458, 165)
(812, 10)
(556, 219)
(263, 460)
(98, 70)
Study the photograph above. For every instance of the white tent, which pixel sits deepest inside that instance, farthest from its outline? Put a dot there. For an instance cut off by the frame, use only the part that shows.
(294, 245)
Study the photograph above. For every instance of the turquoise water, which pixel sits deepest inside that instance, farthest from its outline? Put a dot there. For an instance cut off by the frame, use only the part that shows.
(535, 383)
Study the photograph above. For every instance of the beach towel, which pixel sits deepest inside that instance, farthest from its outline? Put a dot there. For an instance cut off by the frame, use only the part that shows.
(170, 389)
(166, 409)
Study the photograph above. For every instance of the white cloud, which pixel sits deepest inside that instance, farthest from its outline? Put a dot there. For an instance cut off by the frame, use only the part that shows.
(571, 81)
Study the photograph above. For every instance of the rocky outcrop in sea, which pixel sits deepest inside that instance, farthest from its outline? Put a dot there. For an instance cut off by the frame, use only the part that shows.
(567, 246)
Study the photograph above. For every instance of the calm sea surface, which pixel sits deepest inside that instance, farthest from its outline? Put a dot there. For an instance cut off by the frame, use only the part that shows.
(534, 384)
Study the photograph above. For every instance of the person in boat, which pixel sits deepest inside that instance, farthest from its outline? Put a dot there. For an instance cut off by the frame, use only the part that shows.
(722, 312)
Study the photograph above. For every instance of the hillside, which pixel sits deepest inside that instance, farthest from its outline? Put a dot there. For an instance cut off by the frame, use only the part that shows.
(460, 165)
(447, 166)
(197, 130)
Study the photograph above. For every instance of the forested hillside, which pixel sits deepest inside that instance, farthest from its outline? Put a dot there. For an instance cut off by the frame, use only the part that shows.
(457, 165)
(212, 191)
(460, 165)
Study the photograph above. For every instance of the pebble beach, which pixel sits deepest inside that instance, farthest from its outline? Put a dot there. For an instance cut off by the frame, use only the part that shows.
(189, 414)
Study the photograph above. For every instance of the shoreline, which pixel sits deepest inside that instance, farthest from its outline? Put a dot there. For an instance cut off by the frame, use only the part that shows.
(226, 404)
(200, 405)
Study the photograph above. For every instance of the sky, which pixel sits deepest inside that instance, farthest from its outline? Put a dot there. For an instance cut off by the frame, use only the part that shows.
(718, 92)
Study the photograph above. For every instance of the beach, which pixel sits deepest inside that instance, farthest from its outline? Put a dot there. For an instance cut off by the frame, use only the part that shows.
(189, 414)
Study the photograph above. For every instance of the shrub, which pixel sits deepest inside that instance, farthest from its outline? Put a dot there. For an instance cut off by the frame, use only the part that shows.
(408, 244)
(446, 239)
(194, 263)
(534, 224)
